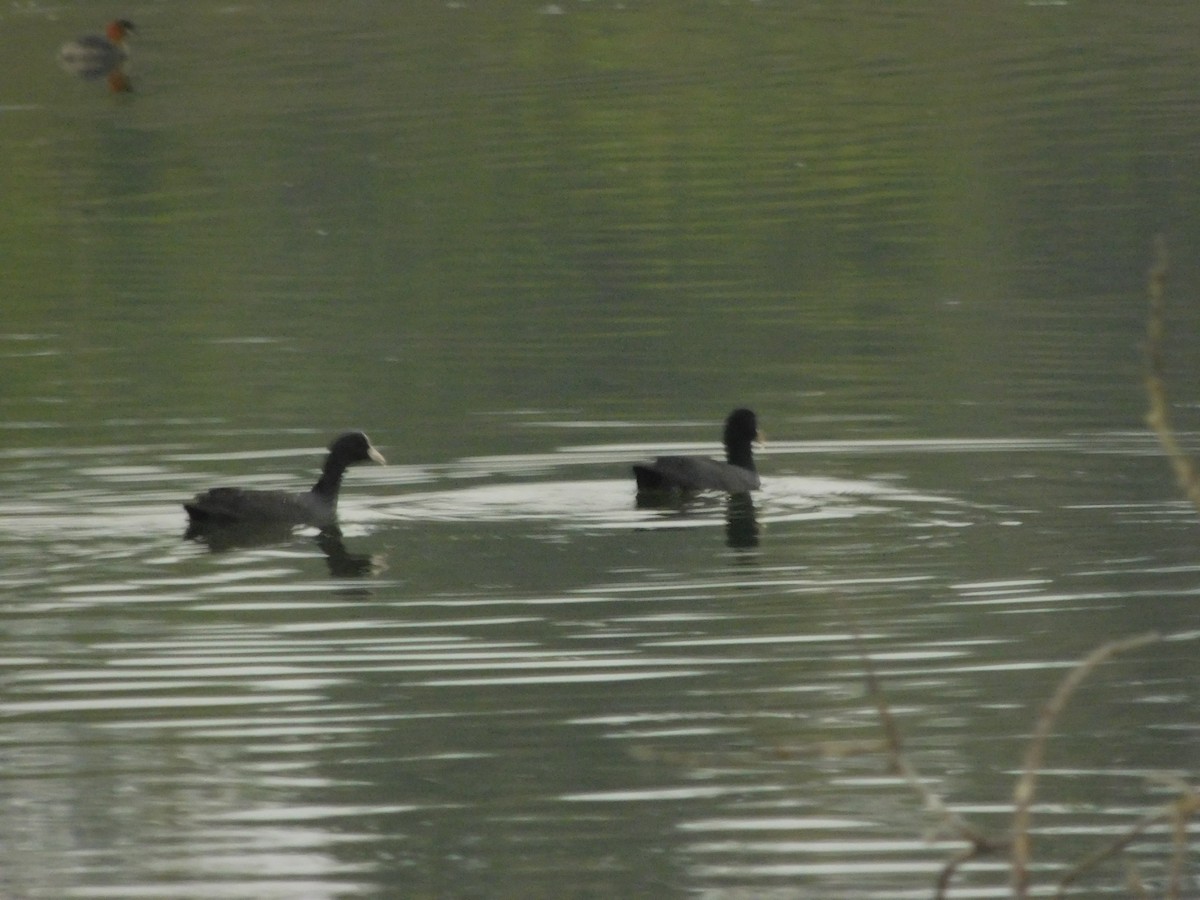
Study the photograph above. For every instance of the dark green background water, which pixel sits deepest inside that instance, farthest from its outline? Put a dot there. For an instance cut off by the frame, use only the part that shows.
(523, 245)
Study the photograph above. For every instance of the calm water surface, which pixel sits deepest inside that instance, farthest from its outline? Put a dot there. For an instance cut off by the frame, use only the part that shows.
(523, 245)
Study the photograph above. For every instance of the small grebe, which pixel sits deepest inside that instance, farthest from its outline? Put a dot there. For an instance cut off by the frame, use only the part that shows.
(92, 56)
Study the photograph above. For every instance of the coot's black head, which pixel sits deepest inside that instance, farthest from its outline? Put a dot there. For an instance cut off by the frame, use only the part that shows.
(354, 447)
(741, 428)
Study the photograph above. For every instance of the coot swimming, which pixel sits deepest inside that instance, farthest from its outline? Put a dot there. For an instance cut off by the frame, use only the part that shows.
(317, 507)
(698, 473)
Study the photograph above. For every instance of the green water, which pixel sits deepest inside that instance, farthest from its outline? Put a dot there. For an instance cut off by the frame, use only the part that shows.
(523, 245)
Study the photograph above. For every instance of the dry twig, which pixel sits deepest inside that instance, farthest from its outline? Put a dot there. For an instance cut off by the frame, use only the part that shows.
(979, 843)
(1112, 849)
(1186, 806)
(1180, 811)
(1023, 794)
(1158, 416)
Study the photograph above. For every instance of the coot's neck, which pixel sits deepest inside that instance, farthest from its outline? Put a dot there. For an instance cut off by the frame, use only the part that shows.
(740, 454)
(330, 482)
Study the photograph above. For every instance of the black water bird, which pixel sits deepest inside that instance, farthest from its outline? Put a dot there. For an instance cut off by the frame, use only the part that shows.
(688, 474)
(258, 509)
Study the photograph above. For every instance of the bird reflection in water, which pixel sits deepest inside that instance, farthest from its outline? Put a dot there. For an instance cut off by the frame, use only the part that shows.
(741, 518)
(94, 56)
(741, 522)
(342, 563)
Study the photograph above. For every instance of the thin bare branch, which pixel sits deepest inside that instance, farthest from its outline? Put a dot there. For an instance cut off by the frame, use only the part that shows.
(1158, 416)
(899, 763)
(1026, 784)
(1133, 880)
(952, 866)
(1111, 849)
(1182, 811)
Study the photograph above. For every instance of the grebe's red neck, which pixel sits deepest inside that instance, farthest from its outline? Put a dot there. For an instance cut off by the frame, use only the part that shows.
(117, 29)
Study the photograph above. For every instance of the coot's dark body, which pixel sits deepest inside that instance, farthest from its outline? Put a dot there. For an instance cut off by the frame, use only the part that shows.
(228, 506)
(687, 474)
